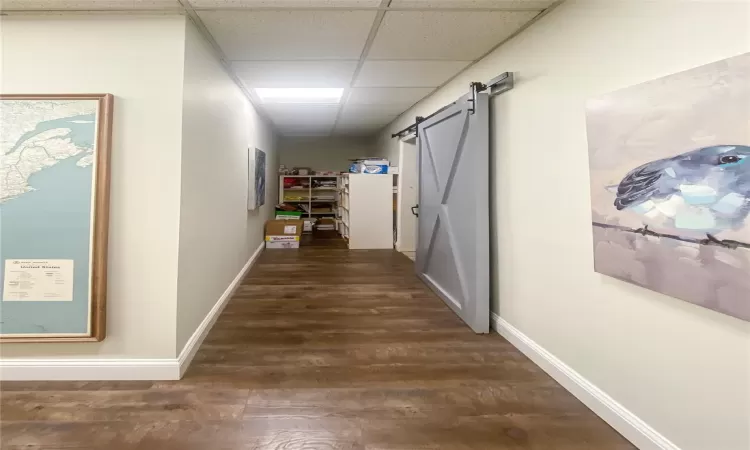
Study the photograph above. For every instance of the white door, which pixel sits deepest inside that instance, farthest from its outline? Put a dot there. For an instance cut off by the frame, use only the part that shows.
(408, 196)
(453, 253)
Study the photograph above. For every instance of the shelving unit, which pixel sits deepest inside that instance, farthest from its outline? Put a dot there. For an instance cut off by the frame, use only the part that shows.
(308, 195)
(342, 218)
(365, 210)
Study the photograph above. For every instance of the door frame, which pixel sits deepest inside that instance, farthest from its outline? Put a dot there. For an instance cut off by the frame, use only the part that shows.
(411, 141)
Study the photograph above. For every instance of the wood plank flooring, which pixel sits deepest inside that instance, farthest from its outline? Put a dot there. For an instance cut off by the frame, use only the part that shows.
(320, 349)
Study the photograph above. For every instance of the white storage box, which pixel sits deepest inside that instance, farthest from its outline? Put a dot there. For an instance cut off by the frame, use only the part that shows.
(282, 244)
(282, 241)
(309, 224)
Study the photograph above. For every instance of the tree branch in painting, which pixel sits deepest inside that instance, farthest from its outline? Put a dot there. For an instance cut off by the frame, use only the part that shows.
(709, 240)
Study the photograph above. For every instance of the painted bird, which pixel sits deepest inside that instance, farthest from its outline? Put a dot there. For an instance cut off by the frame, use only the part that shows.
(704, 191)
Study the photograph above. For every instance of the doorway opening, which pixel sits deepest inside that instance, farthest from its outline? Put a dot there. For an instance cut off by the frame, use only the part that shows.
(407, 202)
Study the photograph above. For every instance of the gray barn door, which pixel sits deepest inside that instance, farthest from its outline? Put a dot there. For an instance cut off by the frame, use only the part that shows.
(453, 255)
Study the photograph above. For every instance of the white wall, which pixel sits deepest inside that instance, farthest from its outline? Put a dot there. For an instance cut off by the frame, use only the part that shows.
(323, 153)
(683, 369)
(217, 233)
(139, 61)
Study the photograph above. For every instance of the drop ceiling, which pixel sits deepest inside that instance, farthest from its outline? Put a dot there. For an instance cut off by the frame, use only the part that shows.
(386, 54)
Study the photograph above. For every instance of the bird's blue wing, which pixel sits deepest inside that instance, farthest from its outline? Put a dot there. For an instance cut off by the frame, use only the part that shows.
(640, 184)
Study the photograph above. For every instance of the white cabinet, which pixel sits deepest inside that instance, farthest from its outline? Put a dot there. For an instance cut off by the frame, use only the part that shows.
(366, 210)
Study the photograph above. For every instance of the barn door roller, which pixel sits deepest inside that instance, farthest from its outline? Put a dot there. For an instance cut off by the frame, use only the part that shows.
(475, 87)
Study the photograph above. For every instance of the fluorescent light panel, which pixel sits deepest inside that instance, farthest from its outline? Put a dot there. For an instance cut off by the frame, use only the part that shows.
(300, 95)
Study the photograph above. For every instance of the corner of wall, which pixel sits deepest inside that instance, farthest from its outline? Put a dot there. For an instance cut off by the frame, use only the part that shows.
(181, 139)
(215, 254)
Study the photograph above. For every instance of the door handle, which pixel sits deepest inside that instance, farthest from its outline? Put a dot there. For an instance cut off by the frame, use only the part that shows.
(413, 208)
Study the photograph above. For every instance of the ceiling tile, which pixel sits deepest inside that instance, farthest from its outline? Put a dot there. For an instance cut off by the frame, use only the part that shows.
(373, 110)
(283, 3)
(319, 127)
(408, 73)
(305, 130)
(312, 74)
(495, 4)
(351, 116)
(287, 35)
(297, 114)
(456, 35)
(357, 130)
(88, 5)
(364, 122)
(387, 96)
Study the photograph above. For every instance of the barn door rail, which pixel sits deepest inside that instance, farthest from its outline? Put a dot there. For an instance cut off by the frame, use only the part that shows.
(498, 85)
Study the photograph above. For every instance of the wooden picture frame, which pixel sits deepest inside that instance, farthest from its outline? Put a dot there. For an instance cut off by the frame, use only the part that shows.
(98, 219)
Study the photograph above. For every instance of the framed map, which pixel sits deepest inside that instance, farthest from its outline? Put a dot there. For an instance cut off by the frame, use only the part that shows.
(54, 208)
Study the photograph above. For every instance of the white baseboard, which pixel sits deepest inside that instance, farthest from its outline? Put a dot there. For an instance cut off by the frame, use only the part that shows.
(612, 412)
(88, 369)
(191, 346)
(122, 369)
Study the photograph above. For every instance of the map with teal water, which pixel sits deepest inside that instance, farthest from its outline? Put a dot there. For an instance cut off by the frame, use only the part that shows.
(47, 158)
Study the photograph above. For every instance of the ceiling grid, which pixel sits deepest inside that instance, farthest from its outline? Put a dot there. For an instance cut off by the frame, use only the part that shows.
(362, 58)
(386, 54)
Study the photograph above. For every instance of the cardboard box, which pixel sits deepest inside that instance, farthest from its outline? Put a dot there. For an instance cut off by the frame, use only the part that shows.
(284, 227)
(288, 215)
(326, 223)
(283, 233)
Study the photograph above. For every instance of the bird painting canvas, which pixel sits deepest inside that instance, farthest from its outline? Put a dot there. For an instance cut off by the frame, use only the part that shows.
(260, 178)
(670, 185)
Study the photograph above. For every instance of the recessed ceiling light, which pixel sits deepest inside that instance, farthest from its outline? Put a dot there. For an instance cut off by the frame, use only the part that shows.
(300, 95)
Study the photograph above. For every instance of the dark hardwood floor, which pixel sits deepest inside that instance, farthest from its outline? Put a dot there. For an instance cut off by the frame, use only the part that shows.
(321, 349)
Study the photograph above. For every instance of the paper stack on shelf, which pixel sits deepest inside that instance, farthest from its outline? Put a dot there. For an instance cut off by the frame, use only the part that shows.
(326, 224)
(324, 183)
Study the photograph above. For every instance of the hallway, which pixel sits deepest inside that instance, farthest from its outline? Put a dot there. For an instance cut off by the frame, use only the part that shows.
(321, 349)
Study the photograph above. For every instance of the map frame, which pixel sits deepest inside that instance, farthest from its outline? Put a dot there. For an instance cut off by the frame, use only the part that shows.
(100, 220)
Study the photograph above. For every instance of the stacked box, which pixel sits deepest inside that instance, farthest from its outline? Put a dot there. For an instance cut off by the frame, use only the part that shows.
(283, 233)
